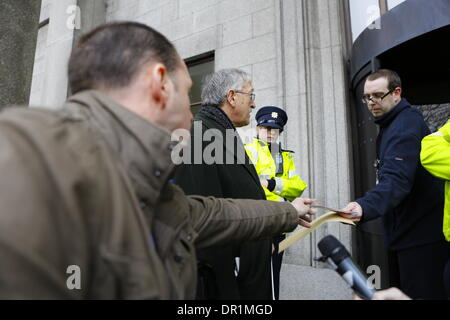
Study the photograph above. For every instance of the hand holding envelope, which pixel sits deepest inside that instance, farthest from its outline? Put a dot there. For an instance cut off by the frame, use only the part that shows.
(304, 210)
(355, 208)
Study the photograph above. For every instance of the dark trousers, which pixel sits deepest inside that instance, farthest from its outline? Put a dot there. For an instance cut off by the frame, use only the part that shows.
(421, 270)
(277, 260)
(447, 278)
(217, 279)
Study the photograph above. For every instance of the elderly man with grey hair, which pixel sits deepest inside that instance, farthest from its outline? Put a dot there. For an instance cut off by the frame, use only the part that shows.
(236, 271)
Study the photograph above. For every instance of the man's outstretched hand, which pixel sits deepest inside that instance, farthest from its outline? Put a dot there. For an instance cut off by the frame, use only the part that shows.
(304, 211)
(355, 208)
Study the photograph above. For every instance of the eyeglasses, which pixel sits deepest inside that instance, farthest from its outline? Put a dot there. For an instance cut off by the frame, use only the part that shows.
(376, 97)
(252, 95)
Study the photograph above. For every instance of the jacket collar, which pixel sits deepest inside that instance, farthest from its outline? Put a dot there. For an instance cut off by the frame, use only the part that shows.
(143, 147)
(222, 122)
(218, 115)
(386, 119)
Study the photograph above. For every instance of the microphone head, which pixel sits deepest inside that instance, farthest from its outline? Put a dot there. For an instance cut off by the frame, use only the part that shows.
(330, 247)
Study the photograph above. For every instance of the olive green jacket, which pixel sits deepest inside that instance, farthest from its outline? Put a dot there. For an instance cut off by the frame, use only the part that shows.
(86, 188)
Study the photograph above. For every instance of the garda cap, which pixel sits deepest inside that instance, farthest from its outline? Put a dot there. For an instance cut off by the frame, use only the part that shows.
(273, 117)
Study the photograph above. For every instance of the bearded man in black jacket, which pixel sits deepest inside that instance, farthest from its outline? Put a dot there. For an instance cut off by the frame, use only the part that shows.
(409, 200)
(236, 271)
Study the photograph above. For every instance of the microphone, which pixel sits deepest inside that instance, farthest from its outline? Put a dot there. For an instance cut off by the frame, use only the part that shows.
(340, 260)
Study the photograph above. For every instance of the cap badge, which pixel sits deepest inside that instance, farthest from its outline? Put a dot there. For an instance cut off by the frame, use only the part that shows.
(274, 115)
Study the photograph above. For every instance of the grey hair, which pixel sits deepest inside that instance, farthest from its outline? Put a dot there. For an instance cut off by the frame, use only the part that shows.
(217, 85)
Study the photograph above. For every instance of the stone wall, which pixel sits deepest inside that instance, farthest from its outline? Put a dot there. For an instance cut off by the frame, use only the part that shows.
(18, 35)
(435, 115)
(55, 39)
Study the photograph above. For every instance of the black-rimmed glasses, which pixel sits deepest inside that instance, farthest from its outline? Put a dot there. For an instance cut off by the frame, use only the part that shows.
(376, 97)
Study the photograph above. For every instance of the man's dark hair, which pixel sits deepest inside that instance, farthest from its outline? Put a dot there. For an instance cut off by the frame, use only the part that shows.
(392, 77)
(111, 55)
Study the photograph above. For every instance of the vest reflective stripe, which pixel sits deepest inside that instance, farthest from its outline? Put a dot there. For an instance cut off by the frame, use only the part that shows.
(446, 225)
(279, 185)
(292, 173)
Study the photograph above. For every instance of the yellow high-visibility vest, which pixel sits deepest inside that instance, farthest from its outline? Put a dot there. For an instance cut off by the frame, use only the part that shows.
(288, 184)
(435, 157)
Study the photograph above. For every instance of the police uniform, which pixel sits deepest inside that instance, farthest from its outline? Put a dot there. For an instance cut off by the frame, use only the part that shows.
(277, 166)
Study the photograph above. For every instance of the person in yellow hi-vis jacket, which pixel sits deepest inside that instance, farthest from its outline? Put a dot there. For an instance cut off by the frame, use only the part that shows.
(435, 157)
(276, 170)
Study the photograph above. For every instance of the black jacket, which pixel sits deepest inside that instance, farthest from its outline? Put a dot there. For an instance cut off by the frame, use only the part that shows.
(409, 199)
(238, 180)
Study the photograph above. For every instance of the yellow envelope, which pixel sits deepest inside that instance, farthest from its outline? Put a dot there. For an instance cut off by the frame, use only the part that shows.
(300, 234)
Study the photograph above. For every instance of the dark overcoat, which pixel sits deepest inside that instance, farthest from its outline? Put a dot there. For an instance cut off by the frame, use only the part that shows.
(237, 180)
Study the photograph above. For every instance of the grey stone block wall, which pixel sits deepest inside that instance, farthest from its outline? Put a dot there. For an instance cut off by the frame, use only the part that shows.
(49, 87)
(18, 34)
(435, 115)
(311, 75)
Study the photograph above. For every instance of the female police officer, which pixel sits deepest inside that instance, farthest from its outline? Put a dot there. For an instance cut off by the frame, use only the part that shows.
(276, 170)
